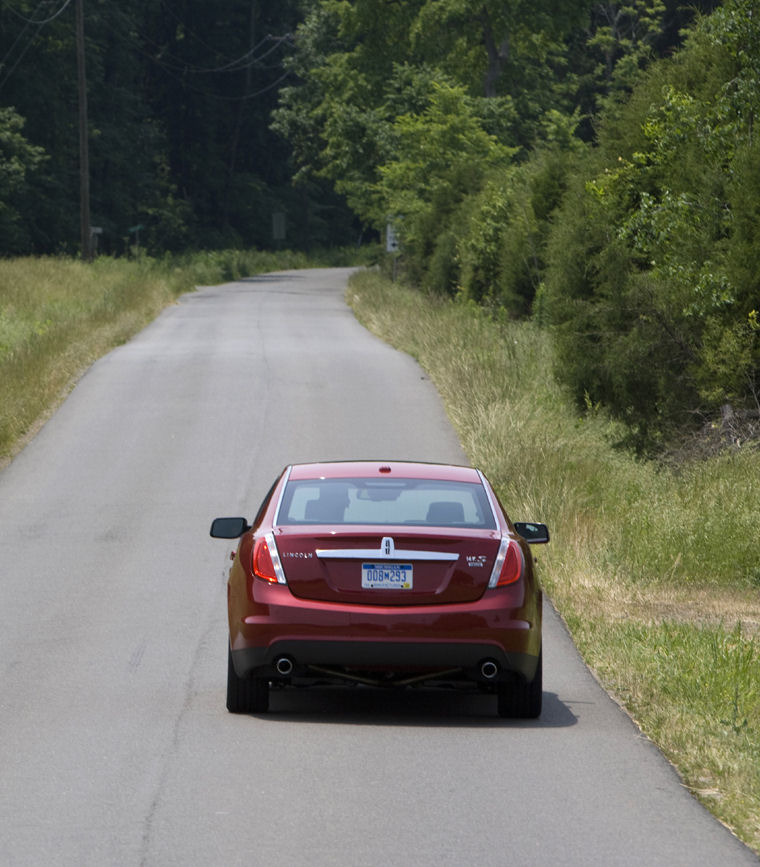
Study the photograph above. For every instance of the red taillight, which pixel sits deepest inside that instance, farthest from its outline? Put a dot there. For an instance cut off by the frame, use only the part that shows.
(263, 564)
(509, 564)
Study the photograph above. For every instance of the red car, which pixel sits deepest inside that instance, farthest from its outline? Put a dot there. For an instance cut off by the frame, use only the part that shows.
(385, 574)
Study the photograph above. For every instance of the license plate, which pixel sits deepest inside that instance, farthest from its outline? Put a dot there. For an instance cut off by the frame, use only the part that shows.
(385, 576)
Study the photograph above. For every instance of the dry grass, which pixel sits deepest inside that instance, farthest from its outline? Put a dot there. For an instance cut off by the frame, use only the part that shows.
(57, 315)
(655, 571)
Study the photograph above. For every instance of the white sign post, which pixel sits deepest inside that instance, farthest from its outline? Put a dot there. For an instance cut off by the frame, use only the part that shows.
(392, 246)
(391, 240)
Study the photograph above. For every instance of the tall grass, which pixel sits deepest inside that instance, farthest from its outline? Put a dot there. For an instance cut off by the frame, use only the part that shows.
(58, 314)
(655, 571)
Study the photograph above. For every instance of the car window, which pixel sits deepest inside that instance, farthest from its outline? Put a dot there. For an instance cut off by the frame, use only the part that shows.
(386, 501)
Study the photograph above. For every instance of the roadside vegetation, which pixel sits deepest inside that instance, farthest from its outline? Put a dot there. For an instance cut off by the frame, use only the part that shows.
(574, 191)
(653, 566)
(654, 569)
(605, 186)
(57, 315)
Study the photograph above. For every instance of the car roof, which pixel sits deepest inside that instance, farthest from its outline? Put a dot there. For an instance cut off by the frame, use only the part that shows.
(383, 469)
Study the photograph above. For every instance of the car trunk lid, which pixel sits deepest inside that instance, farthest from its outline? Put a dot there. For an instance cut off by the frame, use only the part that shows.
(424, 567)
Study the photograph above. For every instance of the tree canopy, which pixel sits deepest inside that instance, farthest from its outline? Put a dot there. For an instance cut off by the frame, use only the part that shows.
(591, 164)
(179, 98)
(653, 281)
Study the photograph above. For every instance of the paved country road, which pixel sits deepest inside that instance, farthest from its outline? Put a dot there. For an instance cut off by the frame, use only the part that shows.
(116, 747)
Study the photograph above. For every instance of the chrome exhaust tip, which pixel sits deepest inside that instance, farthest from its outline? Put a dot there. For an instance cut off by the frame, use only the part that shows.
(489, 669)
(283, 665)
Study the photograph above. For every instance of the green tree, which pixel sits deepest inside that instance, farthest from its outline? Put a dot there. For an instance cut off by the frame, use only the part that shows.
(441, 154)
(179, 96)
(18, 159)
(501, 247)
(623, 36)
(361, 65)
(659, 325)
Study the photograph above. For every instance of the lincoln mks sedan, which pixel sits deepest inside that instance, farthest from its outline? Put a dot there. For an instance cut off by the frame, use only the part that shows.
(387, 575)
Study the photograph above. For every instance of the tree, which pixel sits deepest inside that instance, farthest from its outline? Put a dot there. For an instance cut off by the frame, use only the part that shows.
(494, 46)
(179, 97)
(363, 64)
(653, 280)
(441, 155)
(18, 159)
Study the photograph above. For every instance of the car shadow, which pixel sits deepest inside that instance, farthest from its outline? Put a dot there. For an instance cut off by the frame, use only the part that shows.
(412, 707)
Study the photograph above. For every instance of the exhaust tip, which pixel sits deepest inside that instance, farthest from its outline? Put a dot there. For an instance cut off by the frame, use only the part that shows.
(283, 665)
(489, 669)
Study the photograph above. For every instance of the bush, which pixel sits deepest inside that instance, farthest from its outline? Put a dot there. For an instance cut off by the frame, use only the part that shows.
(652, 279)
(505, 227)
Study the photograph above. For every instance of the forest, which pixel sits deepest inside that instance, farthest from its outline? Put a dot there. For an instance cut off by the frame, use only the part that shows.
(179, 97)
(590, 165)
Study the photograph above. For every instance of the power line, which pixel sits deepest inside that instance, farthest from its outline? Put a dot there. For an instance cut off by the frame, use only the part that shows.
(177, 76)
(15, 43)
(174, 66)
(44, 20)
(169, 61)
(21, 56)
(40, 23)
(256, 93)
(187, 30)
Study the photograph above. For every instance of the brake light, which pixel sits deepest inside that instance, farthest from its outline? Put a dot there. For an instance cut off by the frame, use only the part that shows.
(509, 564)
(266, 560)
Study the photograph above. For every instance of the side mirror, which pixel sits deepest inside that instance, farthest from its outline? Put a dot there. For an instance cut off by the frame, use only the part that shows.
(229, 528)
(535, 534)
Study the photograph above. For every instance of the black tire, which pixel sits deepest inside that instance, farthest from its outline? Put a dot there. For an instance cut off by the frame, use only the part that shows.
(522, 700)
(245, 695)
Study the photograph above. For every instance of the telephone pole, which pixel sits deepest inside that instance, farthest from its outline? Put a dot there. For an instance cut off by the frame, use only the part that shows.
(84, 156)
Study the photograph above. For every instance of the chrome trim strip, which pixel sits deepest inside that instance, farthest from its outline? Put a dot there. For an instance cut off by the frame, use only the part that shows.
(275, 555)
(282, 495)
(386, 551)
(377, 554)
(487, 489)
(498, 563)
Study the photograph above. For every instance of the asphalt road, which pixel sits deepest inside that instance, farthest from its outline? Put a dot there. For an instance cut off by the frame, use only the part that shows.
(116, 748)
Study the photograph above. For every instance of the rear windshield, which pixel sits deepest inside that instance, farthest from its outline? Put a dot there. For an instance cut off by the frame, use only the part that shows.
(419, 502)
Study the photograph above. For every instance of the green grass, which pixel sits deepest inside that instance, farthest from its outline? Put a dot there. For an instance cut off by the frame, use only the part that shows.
(57, 315)
(654, 571)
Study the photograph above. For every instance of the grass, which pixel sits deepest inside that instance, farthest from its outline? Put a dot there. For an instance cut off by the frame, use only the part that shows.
(57, 315)
(654, 571)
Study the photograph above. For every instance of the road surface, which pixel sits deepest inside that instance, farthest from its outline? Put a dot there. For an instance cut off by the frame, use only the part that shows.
(116, 747)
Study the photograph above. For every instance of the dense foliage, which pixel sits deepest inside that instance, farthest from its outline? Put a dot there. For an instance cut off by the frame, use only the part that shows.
(590, 164)
(653, 258)
(179, 96)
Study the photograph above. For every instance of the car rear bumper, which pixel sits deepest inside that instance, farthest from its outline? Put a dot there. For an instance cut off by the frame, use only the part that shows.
(349, 654)
(460, 636)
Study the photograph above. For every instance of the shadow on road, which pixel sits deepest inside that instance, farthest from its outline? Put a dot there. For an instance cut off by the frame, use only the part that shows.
(271, 278)
(418, 707)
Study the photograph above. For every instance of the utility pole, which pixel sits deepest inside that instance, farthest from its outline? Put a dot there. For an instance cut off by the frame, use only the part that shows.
(84, 156)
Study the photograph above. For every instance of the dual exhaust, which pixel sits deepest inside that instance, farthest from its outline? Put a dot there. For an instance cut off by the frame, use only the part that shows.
(284, 666)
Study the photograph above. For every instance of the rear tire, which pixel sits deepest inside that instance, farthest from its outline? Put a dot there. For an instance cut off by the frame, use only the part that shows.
(522, 700)
(245, 694)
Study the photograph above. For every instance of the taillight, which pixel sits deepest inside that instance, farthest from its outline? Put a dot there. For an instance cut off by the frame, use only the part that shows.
(266, 560)
(509, 564)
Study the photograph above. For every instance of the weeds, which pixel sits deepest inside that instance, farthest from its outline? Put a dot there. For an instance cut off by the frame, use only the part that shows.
(57, 315)
(655, 571)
